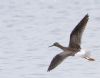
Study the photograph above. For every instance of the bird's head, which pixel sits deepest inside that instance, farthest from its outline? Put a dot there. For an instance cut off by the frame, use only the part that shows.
(54, 44)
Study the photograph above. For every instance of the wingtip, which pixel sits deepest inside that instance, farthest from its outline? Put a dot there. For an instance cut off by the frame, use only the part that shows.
(48, 70)
(87, 15)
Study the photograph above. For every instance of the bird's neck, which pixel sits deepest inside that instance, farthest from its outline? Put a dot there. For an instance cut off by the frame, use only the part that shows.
(60, 46)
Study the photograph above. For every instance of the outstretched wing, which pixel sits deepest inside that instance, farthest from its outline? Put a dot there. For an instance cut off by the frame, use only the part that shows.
(75, 36)
(58, 59)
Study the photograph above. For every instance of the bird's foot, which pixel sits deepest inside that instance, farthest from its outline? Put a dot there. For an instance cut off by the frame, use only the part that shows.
(89, 58)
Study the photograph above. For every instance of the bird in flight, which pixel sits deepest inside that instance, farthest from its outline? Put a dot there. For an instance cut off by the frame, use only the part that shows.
(74, 47)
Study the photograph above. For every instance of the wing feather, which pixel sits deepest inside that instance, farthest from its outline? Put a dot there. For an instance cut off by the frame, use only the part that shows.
(57, 60)
(75, 36)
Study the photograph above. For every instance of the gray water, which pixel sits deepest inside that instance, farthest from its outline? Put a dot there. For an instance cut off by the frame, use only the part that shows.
(28, 27)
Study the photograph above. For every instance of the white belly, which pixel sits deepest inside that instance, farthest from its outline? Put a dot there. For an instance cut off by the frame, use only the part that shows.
(82, 53)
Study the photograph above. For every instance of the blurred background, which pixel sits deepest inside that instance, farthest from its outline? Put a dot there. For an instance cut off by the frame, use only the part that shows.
(28, 27)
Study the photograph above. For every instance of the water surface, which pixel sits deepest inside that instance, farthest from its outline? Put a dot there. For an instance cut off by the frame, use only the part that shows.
(28, 27)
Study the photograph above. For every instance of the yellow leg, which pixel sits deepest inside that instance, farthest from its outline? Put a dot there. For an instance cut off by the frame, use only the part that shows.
(89, 58)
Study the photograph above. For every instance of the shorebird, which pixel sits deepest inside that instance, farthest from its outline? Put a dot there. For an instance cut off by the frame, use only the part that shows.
(74, 47)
